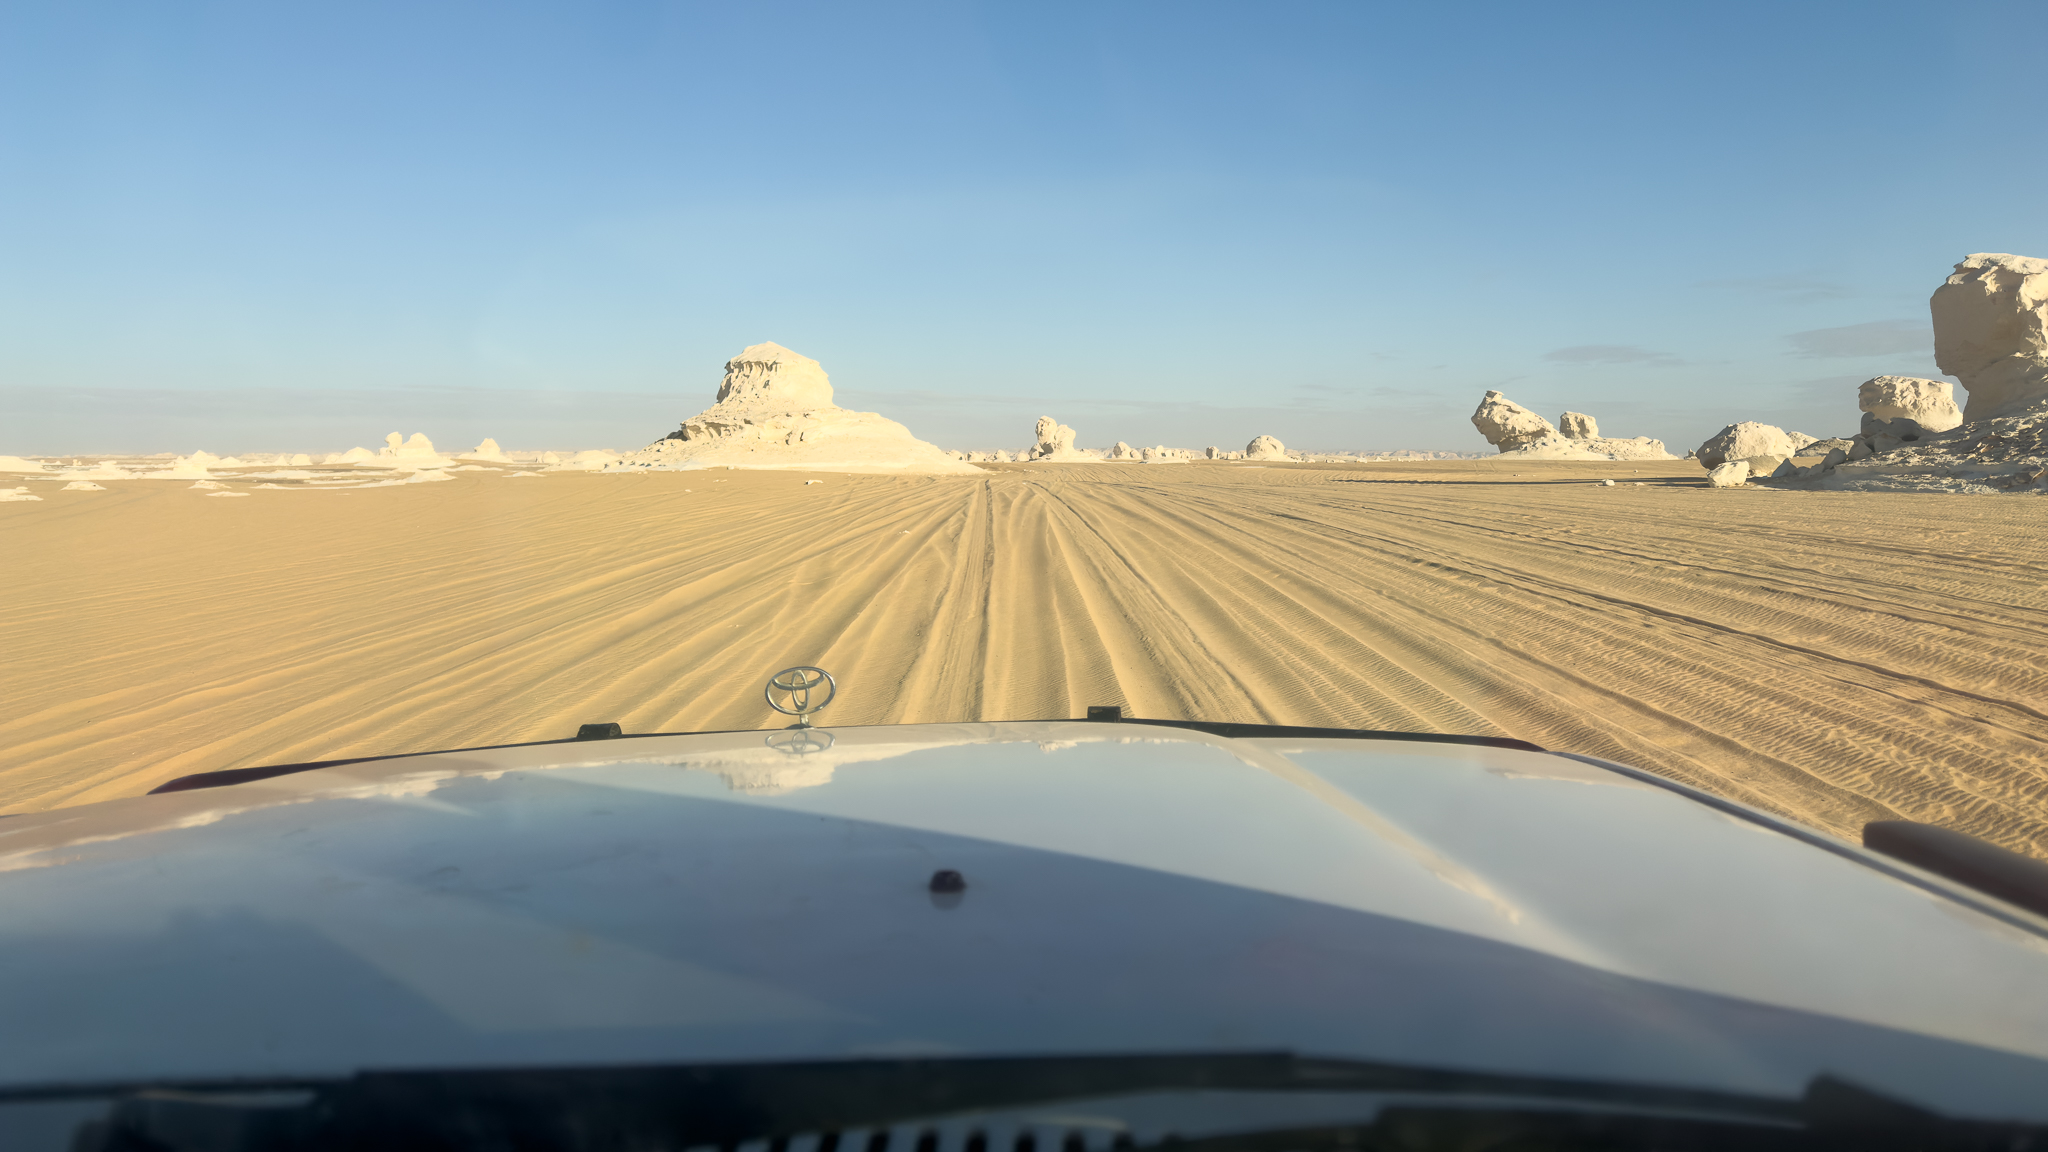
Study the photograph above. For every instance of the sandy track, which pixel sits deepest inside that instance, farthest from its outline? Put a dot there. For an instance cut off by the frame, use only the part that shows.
(1836, 657)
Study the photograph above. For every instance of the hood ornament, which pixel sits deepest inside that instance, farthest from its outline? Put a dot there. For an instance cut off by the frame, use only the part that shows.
(798, 689)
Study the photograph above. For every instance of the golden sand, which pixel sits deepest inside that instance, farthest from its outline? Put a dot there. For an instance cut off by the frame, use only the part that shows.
(1833, 657)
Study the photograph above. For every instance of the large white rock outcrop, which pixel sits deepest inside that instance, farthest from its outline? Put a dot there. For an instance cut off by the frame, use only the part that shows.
(1507, 425)
(1265, 448)
(1991, 332)
(775, 410)
(1517, 431)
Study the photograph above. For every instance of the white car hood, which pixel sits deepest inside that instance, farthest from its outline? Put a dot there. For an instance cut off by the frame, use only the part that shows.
(763, 896)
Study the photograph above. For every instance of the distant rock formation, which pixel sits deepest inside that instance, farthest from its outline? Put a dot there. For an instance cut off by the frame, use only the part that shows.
(1265, 448)
(1122, 451)
(488, 450)
(1991, 332)
(1056, 444)
(1514, 429)
(408, 455)
(775, 410)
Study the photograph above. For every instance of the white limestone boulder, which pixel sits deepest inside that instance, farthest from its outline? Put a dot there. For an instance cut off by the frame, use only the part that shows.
(1731, 474)
(1507, 425)
(1991, 332)
(1929, 403)
(1578, 426)
(1265, 448)
(1743, 441)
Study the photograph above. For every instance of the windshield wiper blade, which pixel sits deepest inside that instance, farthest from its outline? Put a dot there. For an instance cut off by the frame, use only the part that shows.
(893, 1102)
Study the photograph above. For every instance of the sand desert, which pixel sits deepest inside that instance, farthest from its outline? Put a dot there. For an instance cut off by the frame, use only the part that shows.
(1814, 625)
(1833, 656)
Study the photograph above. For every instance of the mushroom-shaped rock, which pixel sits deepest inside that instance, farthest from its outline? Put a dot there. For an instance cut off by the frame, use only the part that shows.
(1931, 404)
(1055, 442)
(1743, 441)
(1732, 474)
(1507, 425)
(1265, 448)
(775, 410)
(410, 455)
(1578, 426)
(1991, 332)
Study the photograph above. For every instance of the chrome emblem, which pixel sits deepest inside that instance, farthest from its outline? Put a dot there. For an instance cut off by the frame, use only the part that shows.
(798, 688)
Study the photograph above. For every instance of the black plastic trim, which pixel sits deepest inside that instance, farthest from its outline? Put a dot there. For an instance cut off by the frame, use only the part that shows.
(1963, 858)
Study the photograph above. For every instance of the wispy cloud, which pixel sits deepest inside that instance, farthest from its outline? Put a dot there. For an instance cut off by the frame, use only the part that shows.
(1784, 287)
(1877, 338)
(1608, 354)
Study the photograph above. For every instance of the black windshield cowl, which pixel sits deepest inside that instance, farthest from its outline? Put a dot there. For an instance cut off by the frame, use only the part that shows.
(1232, 731)
(972, 1105)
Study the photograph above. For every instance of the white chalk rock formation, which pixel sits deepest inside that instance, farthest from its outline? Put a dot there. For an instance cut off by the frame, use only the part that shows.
(1744, 441)
(1507, 425)
(1123, 451)
(1519, 432)
(488, 450)
(197, 466)
(84, 486)
(17, 464)
(1991, 332)
(1055, 442)
(403, 455)
(775, 410)
(589, 460)
(17, 495)
(1732, 474)
(1265, 448)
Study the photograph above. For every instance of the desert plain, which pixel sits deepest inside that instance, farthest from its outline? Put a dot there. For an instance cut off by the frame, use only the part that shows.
(1835, 657)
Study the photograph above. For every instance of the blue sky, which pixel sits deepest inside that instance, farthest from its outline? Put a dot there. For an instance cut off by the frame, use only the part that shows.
(296, 227)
